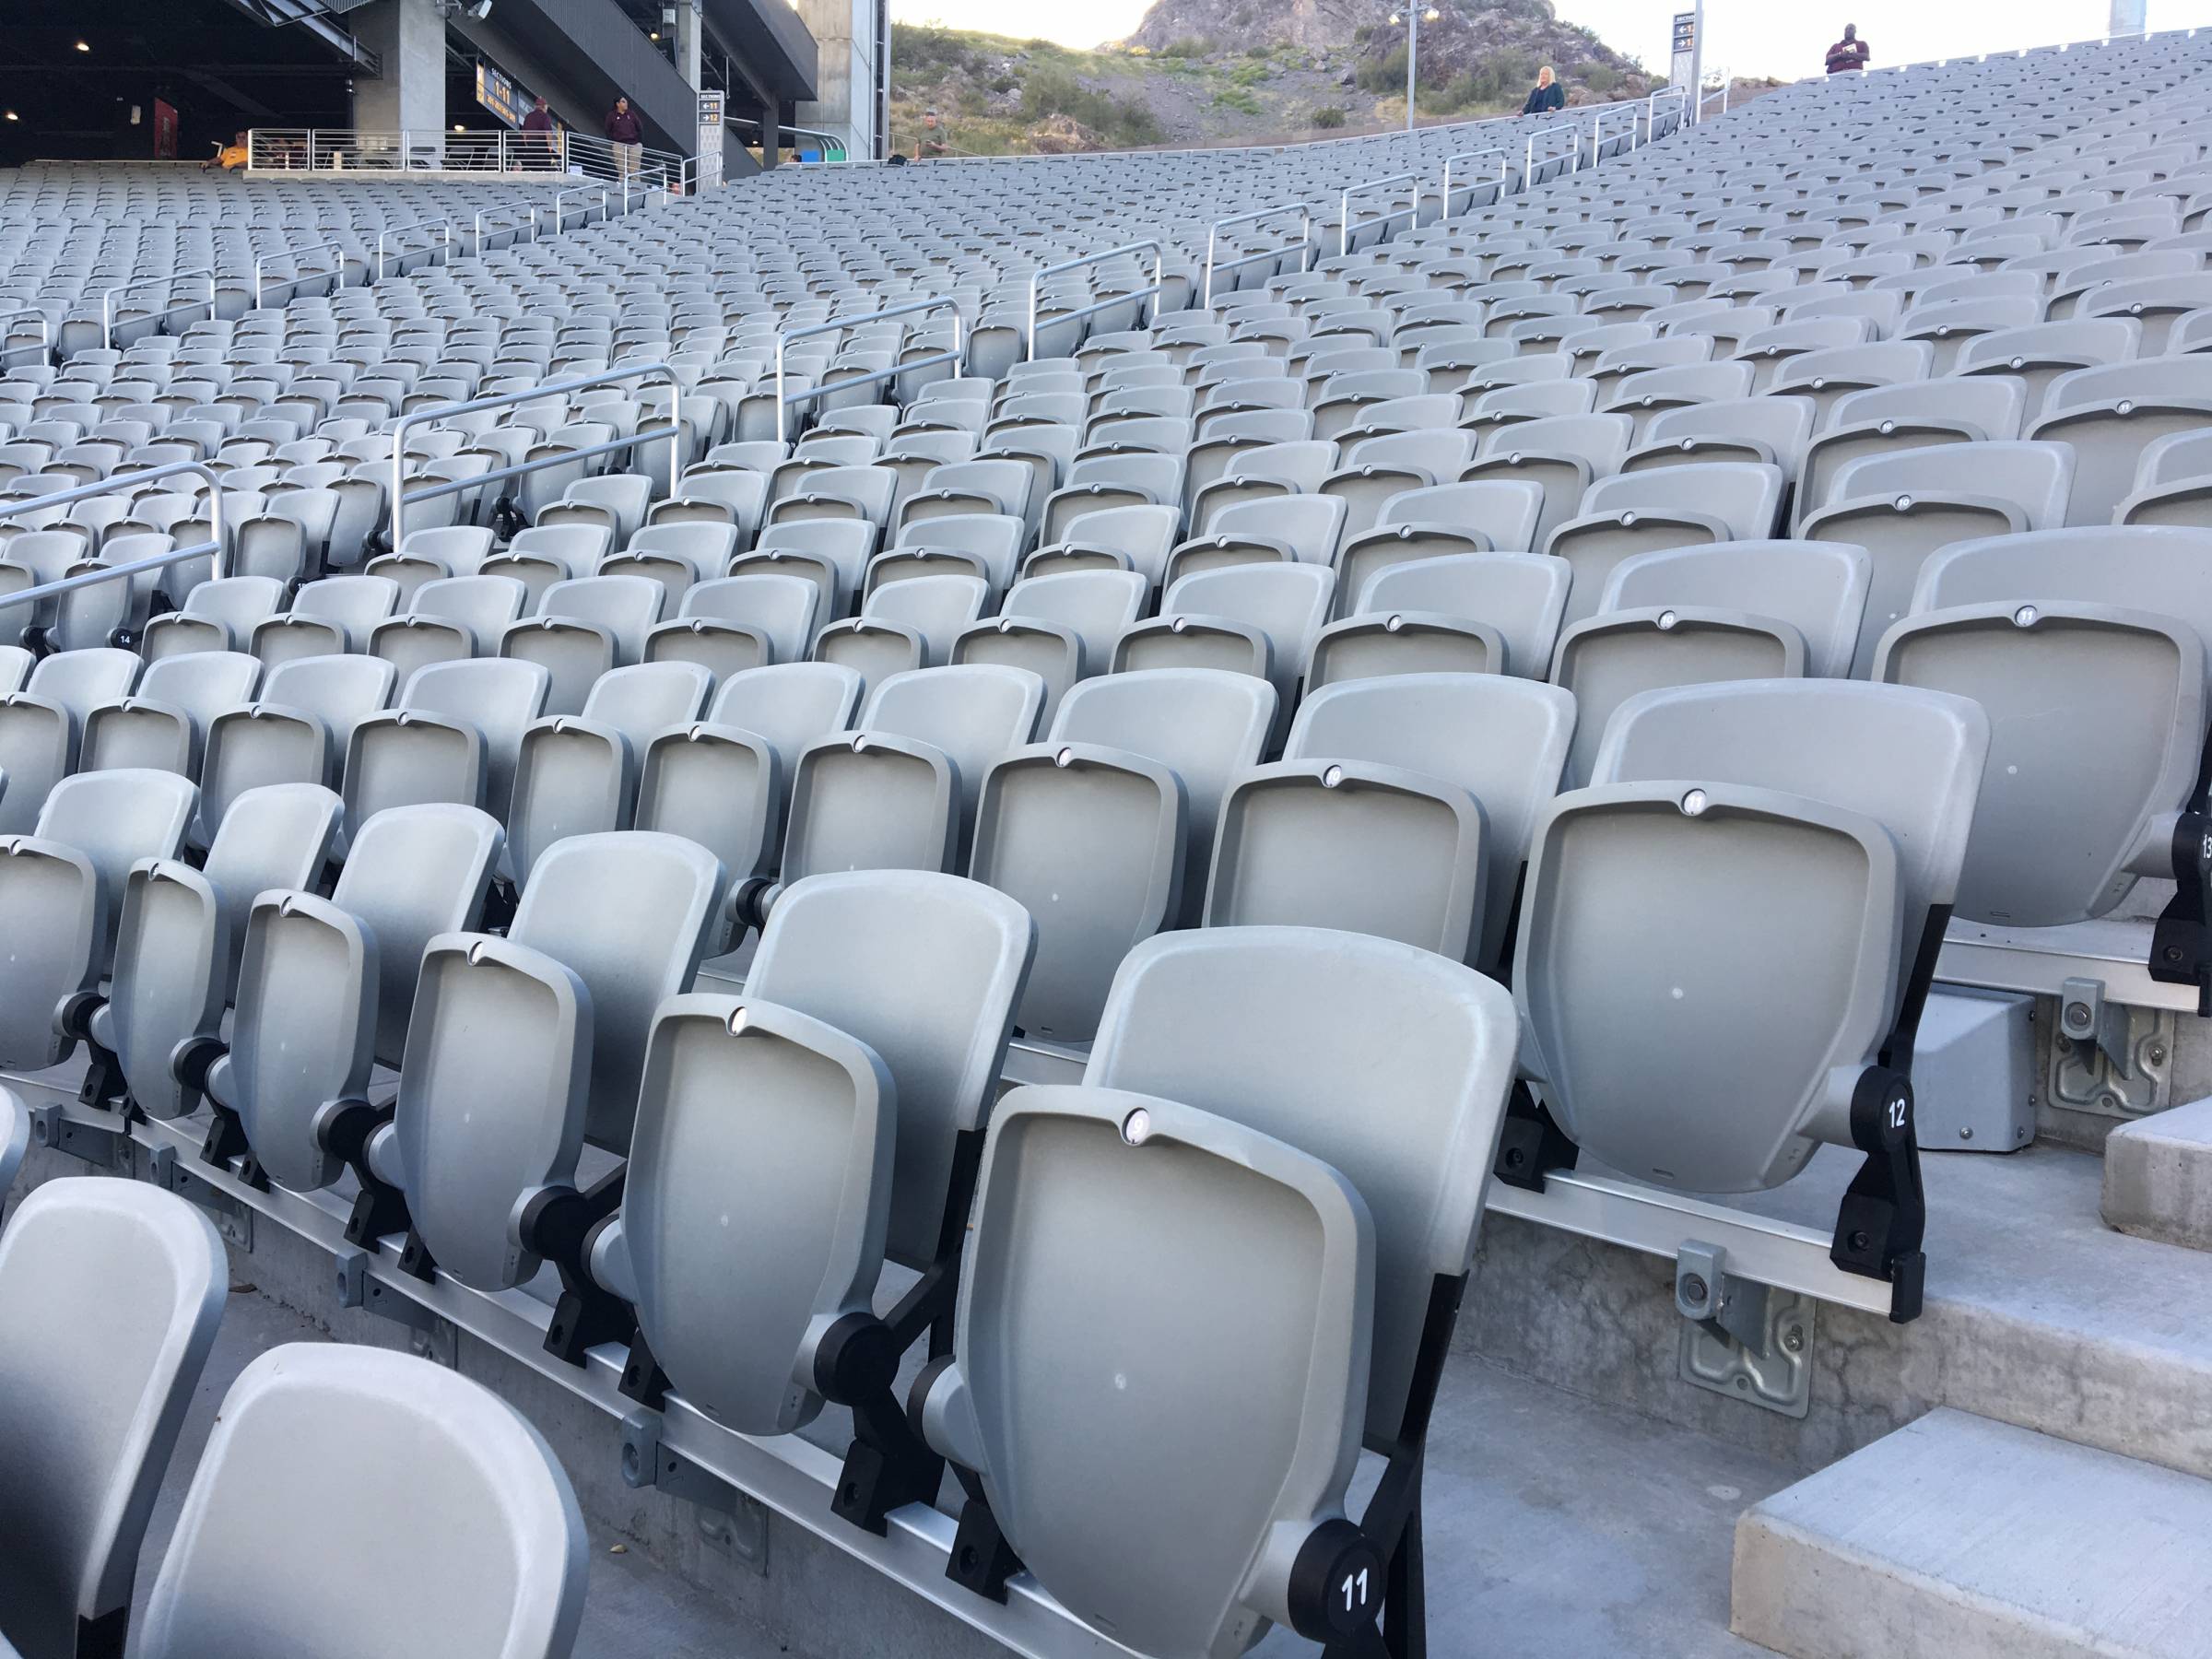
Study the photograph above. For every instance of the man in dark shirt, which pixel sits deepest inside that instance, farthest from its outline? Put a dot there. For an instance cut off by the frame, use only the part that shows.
(1848, 54)
(540, 122)
(628, 135)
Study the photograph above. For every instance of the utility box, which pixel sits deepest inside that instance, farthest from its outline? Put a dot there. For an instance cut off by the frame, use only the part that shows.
(1974, 1071)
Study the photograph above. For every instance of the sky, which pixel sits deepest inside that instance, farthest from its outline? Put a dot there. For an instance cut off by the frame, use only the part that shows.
(1744, 37)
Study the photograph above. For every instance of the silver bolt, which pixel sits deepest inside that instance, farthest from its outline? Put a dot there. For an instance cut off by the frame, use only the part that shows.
(1694, 1290)
(1793, 1339)
(1966, 1132)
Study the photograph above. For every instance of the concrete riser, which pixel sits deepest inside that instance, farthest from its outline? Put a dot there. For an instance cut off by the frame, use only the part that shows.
(1599, 1320)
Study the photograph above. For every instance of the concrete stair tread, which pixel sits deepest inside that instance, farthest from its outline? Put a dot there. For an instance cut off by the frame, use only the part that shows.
(2157, 1177)
(1967, 1538)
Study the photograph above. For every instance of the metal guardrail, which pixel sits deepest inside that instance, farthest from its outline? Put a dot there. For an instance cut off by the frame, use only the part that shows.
(1574, 129)
(837, 324)
(298, 275)
(107, 299)
(446, 224)
(1305, 241)
(1505, 170)
(575, 190)
(1343, 207)
(8, 318)
(477, 246)
(1721, 92)
(85, 492)
(1681, 96)
(1158, 285)
(402, 496)
(1597, 132)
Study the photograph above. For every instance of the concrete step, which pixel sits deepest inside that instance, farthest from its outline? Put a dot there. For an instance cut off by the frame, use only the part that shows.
(1962, 1538)
(2158, 1176)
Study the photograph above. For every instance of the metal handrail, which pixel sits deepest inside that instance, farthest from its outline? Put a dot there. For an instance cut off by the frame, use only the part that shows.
(45, 330)
(1305, 241)
(1528, 160)
(1707, 98)
(1679, 94)
(107, 299)
(574, 190)
(1159, 284)
(446, 224)
(531, 209)
(1597, 134)
(507, 400)
(836, 324)
(1343, 207)
(108, 486)
(1505, 169)
(298, 275)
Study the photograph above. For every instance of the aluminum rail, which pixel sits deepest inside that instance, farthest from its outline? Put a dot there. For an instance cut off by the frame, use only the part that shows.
(1681, 97)
(107, 299)
(1721, 92)
(1305, 241)
(508, 400)
(1505, 170)
(108, 486)
(45, 330)
(578, 190)
(1159, 284)
(444, 224)
(1598, 134)
(837, 324)
(530, 208)
(1574, 129)
(1343, 207)
(297, 276)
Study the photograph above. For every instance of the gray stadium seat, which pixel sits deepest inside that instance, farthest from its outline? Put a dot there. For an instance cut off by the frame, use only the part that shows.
(298, 732)
(41, 726)
(729, 624)
(1483, 613)
(1668, 507)
(453, 735)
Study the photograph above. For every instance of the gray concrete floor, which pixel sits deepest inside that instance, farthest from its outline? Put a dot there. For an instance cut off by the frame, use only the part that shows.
(633, 1609)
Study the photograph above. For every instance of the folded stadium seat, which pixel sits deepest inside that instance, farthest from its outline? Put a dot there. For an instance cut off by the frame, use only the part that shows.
(1611, 367)
(1061, 627)
(1494, 612)
(891, 1064)
(2155, 302)
(296, 732)
(179, 937)
(1259, 619)
(1562, 456)
(98, 1402)
(1205, 1140)
(1772, 430)
(733, 623)
(676, 554)
(1402, 808)
(898, 791)
(1825, 376)
(2173, 481)
(1136, 538)
(1771, 349)
(904, 625)
(1667, 507)
(1374, 469)
(1920, 415)
(15, 665)
(263, 1565)
(1104, 830)
(482, 1151)
(1949, 325)
(453, 735)
(1643, 396)
(578, 774)
(1489, 414)
(716, 493)
(1263, 472)
(967, 488)
(537, 558)
(1695, 616)
(582, 627)
(2089, 644)
(1903, 507)
(831, 553)
(1836, 810)
(841, 492)
(326, 617)
(617, 501)
(326, 990)
(433, 556)
(61, 887)
(162, 724)
(2110, 415)
(1101, 482)
(978, 544)
(448, 619)
(46, 556)
(288, 539)
(41, 726)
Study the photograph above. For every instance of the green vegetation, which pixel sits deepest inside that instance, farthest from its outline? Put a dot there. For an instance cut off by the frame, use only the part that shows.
(1236, 98)
(1190, 46)
(1327, 119)
(1120, 122)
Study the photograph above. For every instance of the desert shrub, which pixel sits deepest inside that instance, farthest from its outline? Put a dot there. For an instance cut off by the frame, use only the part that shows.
(1237, 99)
(1327, 118)
(1383, 74)
(1190, 46)
(1601, 78)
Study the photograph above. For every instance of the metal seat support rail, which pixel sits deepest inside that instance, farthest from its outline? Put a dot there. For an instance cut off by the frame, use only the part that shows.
(297, 276)
(45, 330)
(1343, 207)
(912, 307)
(1305, 241)
(85, 492)
(402, 496)
(1158, 285)
(578, 190)
(1574, 129)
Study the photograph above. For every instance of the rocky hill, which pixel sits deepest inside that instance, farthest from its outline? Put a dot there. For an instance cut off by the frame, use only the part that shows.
(1205, 72)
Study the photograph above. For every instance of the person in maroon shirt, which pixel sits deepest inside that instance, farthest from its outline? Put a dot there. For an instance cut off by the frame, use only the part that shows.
(1850, 53)
(540, 122)
(625, 132)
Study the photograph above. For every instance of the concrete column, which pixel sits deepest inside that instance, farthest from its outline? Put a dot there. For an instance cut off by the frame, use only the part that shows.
(690, 28)
(408, 36)
(2126, 17)
(844, 36)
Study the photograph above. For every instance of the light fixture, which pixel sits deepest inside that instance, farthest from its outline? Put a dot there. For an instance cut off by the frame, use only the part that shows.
(654, 35)
(459, 128)
(13, 116)
(84, 46)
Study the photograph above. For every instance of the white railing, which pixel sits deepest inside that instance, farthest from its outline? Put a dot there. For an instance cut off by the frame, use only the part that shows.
(1149, 245)
(1505, 169)
(1344, 206)
(1304, 246)
(352, 149)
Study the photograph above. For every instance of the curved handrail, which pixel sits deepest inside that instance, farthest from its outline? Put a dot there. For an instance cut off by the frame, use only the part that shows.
(1159, 284)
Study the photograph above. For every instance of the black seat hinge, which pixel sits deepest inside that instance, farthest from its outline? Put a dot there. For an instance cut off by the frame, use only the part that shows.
(1532, 1144)
(1883, 1217)
(2181, 940)
(556, 1225)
